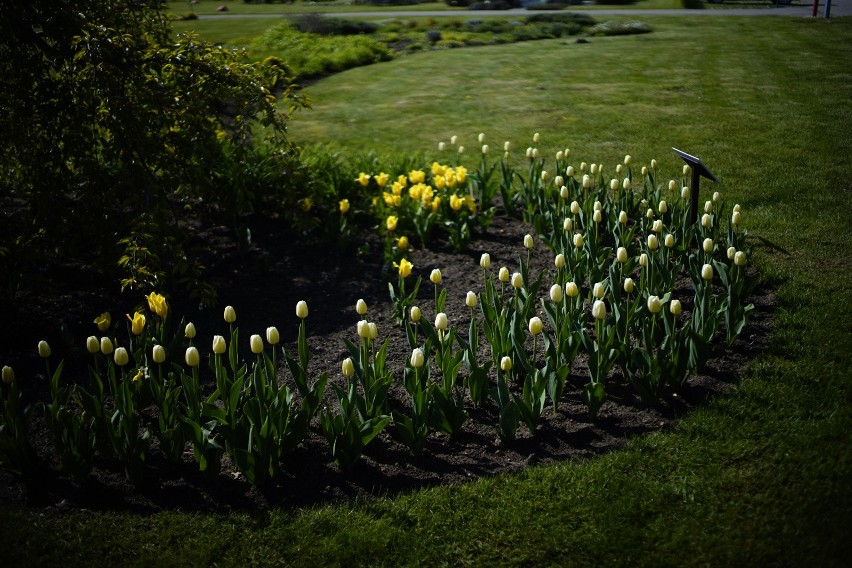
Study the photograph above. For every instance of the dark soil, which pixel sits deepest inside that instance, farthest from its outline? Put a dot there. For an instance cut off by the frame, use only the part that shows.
(264, 287)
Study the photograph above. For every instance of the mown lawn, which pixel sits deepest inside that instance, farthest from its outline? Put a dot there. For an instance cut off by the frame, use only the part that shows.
(759, 478)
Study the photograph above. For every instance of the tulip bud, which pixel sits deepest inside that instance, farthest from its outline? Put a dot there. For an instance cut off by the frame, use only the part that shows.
(644, 171)
(485, 261)
(417, 358)
(43, 349)
(92, 345)
(578, 240)
(517, 280)
(564, 193)
(649, 213)
(622, 217)
(737, 208)
(372, 331)
(507, 146)
(593, 169)
(575, 207)
(587, 182)
(672, 185)
(484, 149)
(545, 176)
(453, 140)
(663, 207)
(8, 374)
(361, 307)
(653, 164)
(230, 314)
(559, 261)
(740, 258)
(571, 290)
(106, 345)
(256, 344)
(505, 364)
(189, 331)
(556, 294)
(708, 206)
(559, 181)
(470, 300)
(628, 285)
(707, 245)
(219, 345)
(528, 241)
(735, 218)
(435, 276)
(628, 160)
(503, 274)
(529, 152)
(598, 290)
(441, 146)
(597, 217)
(583, 166)
(643, 259)
(363, 331)
(670, 241)
(272, 336)
(654, 305)
(653, 244)
(121, 357)
(597, 206)
(415, 314)
(302, 309)
(348, 368)
(158, 353)
(441, 321)
(731, 252)
(687, 169)
(461, 149)
(619, 168)
(560, 154)
(707, 272)
(569, 171)
(481, 137)
(613, 184)
(621, 255)
(684, 193)
(657, 226)
(675, 307)
(535, 325)
(599, 310)
(706, 221)
(536, 137)
(626, 184)
(568, 224)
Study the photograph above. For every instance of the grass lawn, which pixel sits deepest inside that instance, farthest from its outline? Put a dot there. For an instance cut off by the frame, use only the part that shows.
(758, 478)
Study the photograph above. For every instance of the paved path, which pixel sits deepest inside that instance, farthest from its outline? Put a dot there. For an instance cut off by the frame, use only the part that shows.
(838, 8)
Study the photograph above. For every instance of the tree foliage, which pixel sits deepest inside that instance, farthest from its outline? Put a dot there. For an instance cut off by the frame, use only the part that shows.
(113, 134)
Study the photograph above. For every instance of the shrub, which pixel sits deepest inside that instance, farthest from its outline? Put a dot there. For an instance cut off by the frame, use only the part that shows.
(114, 133)
(610, 28)
(692, 4)
(318, 24)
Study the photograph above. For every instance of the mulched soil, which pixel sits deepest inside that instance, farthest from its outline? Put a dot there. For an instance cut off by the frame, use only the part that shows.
(264, 287)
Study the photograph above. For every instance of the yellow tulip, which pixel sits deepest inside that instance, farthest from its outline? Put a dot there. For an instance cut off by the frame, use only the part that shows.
(92, 344)
(363, 179)
(391, 222)
(219, 344)
(43, 349)
(157, 304)
(103, 321)
(230, 314)
(138, 376)
(192, 357)
(344, 206)
(8, 374)
(416, 176)
(272, 336)
(137, 323)
(381, 179)
(535, 325)
(158, 353)
(361, 307)
(456, 202)
(404, 268)
(106, 345)
(256, 344)
(348, 368)
(435, 276)
(121, 357)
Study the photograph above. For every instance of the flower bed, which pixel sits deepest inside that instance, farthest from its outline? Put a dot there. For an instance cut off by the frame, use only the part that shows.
(550, 344)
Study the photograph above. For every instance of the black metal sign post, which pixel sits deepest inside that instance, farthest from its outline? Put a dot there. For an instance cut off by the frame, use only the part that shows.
(699, 170)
